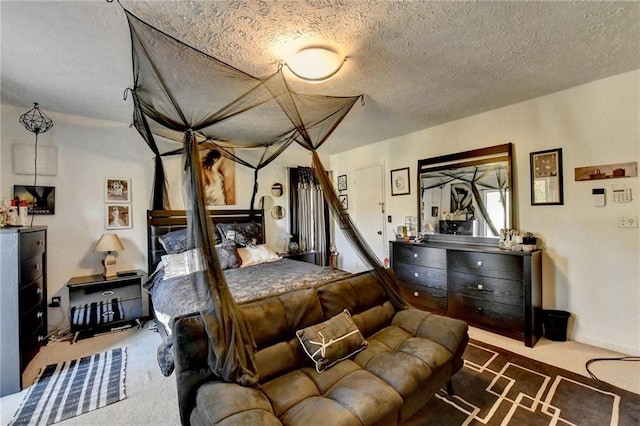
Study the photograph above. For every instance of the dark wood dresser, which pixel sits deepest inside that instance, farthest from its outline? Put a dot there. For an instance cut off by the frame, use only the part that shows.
(494, 289)
(23, 301)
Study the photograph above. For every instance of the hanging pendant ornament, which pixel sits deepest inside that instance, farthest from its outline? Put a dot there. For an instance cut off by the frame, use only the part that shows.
(35, 120)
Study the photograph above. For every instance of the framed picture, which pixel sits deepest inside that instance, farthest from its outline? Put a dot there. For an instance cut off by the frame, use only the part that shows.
(40, 199)
(400, 184)
(117, 216)
(218, 175)
(546, 177)
(344, 201)
(117, 190)
(607, 171)
(342, 183)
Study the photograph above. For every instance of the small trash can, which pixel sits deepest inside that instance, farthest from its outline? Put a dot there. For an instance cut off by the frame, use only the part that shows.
(555, 324)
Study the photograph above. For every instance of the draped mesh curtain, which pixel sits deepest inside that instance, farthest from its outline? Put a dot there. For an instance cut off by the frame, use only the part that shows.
(309, 212)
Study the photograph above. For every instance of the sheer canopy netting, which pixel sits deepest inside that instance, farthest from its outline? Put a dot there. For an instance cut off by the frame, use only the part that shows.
(480, 178)
(184, 98)
(179, 88)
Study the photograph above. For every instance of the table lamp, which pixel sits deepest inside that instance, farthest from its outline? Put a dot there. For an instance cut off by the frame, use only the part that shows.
(107, 244)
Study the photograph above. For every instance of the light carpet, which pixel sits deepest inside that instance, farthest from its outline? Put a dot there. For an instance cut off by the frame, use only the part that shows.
(72, 388)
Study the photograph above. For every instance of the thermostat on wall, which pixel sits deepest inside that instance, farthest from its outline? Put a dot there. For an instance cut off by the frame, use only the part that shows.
(598, 197)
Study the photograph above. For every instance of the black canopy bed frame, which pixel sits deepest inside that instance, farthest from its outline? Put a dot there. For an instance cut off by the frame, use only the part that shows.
(174, 297)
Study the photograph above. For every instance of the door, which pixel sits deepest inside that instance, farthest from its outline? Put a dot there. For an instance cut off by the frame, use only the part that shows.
(370, 209)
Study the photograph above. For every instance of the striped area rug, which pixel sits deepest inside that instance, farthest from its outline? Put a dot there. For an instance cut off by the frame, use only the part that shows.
(71, 388)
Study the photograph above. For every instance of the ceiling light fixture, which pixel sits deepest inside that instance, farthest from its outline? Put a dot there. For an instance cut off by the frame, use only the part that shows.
(316, 64)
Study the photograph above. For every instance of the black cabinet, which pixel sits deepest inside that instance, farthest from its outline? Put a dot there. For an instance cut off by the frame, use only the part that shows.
(98, 304)
(23, 314)
(490, 288)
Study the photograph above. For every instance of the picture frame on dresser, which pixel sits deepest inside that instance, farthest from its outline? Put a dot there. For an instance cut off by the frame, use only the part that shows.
(546, 177)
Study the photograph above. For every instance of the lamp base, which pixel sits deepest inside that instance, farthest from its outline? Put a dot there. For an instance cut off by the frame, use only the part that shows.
(109, 264)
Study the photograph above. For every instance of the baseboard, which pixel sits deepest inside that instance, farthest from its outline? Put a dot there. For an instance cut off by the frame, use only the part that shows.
(587, 340)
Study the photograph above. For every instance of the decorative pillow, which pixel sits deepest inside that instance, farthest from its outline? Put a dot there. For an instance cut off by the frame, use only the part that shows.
(331, 341)
(244, 234)
(228, 255)
(174, 241)
(181, 264)
(256, 255)
(153, 279)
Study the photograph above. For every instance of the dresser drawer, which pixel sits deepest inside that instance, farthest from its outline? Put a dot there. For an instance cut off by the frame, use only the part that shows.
(486, 264)
(424, 297)
(31, 244)
(122, 290)
(486, 288)
(486, 312)
(414, 254)
(419, 275)
(31, 269)
(31, 295)
(31, 321)
(29, 346)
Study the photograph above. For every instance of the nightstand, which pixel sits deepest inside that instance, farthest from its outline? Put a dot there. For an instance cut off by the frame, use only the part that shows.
(304, 256)
(98, 304)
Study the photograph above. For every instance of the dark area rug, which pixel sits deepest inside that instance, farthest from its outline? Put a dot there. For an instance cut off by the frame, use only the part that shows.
(498, 387)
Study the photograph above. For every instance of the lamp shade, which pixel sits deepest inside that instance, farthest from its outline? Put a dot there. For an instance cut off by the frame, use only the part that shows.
(109, 242)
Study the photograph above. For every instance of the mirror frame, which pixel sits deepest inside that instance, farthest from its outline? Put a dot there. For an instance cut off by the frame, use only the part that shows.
(457, 160)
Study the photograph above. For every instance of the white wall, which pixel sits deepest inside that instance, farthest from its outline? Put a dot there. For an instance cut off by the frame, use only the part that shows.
(90, 150)
(591, 267)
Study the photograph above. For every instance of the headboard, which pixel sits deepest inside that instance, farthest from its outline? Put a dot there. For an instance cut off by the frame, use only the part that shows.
(160, 222)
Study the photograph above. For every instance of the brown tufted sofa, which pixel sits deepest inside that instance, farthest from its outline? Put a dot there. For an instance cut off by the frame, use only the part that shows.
(411, 355)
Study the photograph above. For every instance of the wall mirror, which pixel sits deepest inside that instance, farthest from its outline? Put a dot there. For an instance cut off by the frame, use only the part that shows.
(466, 196)
(277, 189)
(278, 212)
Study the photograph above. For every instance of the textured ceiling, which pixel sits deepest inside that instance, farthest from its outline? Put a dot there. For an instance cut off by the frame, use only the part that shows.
(418, 63)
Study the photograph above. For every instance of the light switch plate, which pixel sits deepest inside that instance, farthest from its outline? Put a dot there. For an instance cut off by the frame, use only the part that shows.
(628, 222)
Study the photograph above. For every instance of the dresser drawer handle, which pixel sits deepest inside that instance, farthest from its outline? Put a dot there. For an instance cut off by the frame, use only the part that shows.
(107, 292)
(40, 338)
(416, 294)
(415, 274)
(40, 242)
(480, 309)
(105, 314)
(38, 290)
(480, 287)
(415, 255)
(479, 263)
(36, 266)
(39, 314)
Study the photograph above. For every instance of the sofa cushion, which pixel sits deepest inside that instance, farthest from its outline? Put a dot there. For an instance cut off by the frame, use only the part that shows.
(344, 394)
(331, 341)
(217, 401)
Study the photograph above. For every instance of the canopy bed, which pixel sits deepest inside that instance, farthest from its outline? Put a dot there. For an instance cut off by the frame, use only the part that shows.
(185, 96)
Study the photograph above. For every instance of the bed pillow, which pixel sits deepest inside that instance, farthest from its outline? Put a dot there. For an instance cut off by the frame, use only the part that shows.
(243, 234)
(181, 264)
(332, 341)
(174, 241)
(228, 255)
(256, 255)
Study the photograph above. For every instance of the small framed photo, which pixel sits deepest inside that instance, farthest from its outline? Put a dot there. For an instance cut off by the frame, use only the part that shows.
(546, 178)
(400, 184)
(344, 201)
(342, 183)
(117, 190)
(118, 216)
